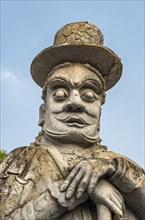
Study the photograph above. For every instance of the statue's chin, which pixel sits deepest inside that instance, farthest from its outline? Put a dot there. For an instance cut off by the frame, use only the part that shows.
(73, 137)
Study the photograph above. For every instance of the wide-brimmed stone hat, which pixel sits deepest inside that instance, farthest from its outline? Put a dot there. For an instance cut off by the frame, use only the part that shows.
(78, 42)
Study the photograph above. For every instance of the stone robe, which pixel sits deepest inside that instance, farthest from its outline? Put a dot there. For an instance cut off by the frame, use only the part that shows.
(30, 179)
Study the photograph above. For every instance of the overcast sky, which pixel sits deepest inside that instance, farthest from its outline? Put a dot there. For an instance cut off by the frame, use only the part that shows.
(27, 27)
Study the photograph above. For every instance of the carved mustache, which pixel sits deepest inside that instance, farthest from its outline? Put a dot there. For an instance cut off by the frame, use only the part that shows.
(74, 119)
(85, 111)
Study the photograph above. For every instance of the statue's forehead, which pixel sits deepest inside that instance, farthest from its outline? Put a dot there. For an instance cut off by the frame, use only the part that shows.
(75, 74)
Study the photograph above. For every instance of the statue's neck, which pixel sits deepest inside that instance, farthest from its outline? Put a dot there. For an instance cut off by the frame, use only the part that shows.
(64, 147)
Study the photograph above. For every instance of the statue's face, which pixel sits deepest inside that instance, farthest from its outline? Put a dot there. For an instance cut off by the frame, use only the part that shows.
(73, 105)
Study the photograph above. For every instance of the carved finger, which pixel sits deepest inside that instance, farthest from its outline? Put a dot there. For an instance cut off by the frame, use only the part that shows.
(102, 168)
(83, 184)
(74, 184)
(119, 199)
(69, 179)
(93, 182)
(94, 179)
(114, 207)
(116, 202)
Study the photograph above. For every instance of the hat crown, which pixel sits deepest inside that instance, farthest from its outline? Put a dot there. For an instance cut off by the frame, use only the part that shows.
(79, 33)
(78, 42)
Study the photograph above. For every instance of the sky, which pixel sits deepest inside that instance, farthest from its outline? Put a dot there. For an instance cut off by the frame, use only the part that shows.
(27, 27)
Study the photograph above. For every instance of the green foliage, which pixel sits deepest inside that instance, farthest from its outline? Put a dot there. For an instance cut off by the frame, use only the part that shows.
(2, 155)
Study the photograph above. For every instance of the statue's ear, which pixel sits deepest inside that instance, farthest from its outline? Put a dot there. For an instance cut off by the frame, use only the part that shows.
(42, 110)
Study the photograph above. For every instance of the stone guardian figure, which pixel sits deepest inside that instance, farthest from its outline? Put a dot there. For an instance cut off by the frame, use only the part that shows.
(66, 173)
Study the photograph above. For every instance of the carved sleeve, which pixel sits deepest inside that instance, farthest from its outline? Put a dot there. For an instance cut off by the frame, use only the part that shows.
(128, 175)
(129, 178)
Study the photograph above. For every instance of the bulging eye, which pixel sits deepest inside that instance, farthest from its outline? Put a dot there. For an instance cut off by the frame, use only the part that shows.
(60, 94)
(88, 96)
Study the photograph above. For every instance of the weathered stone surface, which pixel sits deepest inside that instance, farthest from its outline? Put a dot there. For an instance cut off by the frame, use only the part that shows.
(66, 173)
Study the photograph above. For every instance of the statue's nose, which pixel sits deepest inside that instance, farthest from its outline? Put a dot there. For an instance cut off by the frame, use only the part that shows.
(74, 104)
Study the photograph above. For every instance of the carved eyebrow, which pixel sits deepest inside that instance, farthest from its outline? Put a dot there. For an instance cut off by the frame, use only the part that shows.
(92, 84)
(89, 83)
(54, 83)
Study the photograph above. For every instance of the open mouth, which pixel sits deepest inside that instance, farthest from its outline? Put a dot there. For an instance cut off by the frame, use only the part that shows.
(75, 120)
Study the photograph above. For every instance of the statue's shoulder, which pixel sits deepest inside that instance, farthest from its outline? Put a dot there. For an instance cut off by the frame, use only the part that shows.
(15, 160)
(38, 161)
(19, 152)
(113, 155)
(22, 158)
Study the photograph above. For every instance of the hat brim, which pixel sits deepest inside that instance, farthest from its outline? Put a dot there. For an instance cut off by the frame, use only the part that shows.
(100, 57)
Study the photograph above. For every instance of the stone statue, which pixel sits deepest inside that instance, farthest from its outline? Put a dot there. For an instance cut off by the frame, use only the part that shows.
(66, 173)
